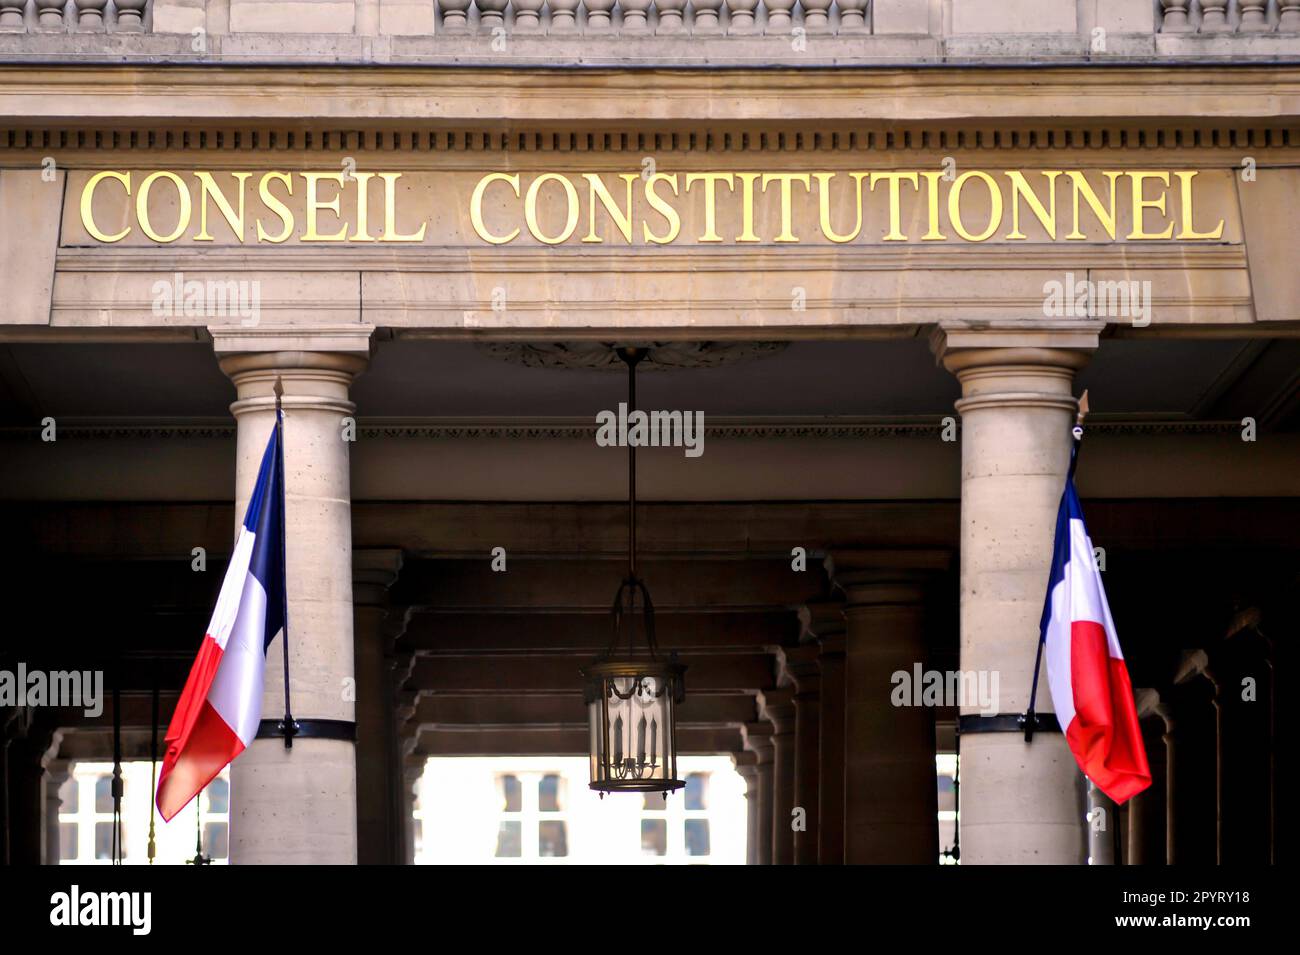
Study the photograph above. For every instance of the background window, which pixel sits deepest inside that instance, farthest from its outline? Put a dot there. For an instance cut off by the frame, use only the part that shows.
(654, 837)
(550, 793)
(697, 837)
(68, 833)
(655, 801)
(947, 795)
(216, 840)
(104, 794)
(510, 844)
(512, 794)
(552, 839)
(70, 795)
(697, 787)
(218, 795)
(104, 840)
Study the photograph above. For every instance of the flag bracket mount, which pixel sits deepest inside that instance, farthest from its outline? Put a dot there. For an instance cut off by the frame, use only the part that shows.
(1027, 723)
(345, 730)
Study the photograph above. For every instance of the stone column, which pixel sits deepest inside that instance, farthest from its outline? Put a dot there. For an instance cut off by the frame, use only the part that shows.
(890, 784)
(758, 740)
(747, 767)
(1102, 818)
(1171, 828)
(402, 741)
(298, 805)
(823, 622)
(776, 706)
(1148, 826)
(1195, 670)
(26, 798)
(799, 664)
(57, 772)
(373, 571)
(1020, 803)
(412, 773)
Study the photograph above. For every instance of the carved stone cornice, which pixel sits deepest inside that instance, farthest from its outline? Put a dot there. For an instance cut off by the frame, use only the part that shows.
(1143, 105)
(568, 429)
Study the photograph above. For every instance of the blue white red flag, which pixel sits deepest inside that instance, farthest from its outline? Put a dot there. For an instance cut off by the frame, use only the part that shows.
(1085, 666)
(220, 708)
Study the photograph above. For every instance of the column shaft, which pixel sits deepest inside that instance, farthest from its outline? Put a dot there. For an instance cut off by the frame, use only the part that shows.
(777, 707)
(800, 665)
(758, 740)
(374, 570)
(891, 795)
(298, 805)
(830, 783)
(1020, 803)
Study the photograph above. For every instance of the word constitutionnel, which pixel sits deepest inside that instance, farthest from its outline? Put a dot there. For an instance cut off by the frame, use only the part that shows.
(664, 207)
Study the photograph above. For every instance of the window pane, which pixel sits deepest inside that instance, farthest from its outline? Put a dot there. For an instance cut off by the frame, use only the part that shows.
(216, 840)
(68, 833)
(552, 839)
(69, 795)
(697, 837)
(947, 795)
(104, 840)
(655, 801)
(550, 793)
(697, 785)
(654, 837)
(512, 794)
(104, 794)
(510, 840)
(218, 795)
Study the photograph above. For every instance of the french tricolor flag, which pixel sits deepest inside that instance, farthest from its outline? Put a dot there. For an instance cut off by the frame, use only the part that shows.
(221, 706)
(1085, 666)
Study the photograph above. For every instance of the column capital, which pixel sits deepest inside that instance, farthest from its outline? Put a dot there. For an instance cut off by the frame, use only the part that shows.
(1148, 703)
(799, 665)
(312, 380)
(413, 768)
(757, 737)
(405, 702)
(776, 705)
(58, 770)
(353, 339)
(820, 619)
(747, 766)
(374, 570)
(1022, 368)
(883, 577)
(1018, 343)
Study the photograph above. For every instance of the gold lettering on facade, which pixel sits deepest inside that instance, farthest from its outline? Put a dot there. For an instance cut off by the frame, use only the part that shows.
(571, 207)
(717, 206)
(995, 206)
(88, 201)
(1141, 204)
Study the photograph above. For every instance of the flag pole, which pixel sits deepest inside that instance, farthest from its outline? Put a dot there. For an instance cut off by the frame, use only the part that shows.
(1030, 719)
(290, 725)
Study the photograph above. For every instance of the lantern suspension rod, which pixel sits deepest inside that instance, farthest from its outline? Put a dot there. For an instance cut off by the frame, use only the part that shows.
(631, 357)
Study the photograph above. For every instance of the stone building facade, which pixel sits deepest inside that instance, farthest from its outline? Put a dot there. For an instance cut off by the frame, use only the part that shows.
(881, 244)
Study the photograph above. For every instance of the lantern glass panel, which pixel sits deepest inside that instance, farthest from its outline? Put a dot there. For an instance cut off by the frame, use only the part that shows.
(630, 732)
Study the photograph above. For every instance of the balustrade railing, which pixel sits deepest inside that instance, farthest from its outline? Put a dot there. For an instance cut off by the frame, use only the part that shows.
(658, 17)
(636, 18)
(1229, 16)
(74, 16)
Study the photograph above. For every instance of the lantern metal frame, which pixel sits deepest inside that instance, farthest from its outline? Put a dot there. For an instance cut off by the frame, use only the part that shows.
(620, 675)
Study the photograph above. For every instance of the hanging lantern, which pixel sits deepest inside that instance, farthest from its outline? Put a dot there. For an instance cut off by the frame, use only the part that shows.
(632, 693)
